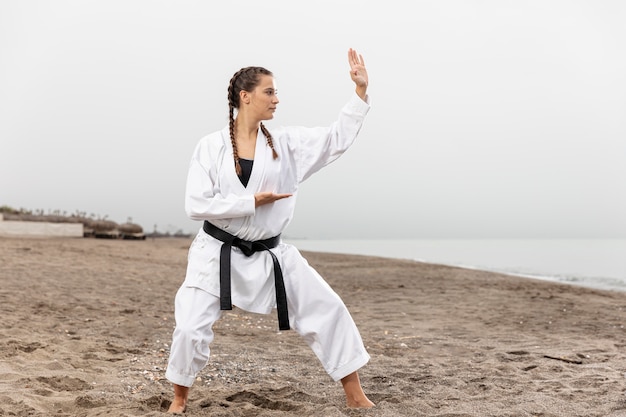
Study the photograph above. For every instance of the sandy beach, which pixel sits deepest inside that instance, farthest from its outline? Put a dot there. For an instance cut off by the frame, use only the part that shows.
(86, 326)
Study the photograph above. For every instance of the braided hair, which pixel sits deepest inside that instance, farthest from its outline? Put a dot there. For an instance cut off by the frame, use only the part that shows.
(246, 79)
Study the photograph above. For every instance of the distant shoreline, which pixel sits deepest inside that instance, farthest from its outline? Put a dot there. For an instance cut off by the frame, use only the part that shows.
(592, 263)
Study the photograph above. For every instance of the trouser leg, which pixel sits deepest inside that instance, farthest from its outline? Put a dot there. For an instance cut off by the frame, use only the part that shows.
(319, 315)
(195, 312)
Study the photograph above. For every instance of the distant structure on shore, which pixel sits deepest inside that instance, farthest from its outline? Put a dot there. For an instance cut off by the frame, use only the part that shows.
(26, 223)
(12, 227)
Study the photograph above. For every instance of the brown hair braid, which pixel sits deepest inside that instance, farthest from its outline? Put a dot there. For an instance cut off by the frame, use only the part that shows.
(246, 79)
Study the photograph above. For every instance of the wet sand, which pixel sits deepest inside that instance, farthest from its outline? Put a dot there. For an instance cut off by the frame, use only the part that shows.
(86, 326)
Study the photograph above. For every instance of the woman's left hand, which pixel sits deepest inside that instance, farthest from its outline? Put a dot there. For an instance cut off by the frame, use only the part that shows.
(358, 72)
(268, 197)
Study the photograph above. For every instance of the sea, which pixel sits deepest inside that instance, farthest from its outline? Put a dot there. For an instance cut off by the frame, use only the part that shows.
(594, 263)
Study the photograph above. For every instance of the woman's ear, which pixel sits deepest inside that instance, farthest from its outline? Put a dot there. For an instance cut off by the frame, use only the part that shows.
(244, 97)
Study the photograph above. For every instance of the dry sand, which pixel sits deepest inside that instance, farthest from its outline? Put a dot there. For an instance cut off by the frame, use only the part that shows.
(86, 325)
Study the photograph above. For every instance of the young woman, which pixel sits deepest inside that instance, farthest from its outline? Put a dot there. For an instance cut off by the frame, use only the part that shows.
(242, 183)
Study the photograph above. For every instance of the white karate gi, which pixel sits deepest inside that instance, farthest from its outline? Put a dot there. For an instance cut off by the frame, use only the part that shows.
(215, 193)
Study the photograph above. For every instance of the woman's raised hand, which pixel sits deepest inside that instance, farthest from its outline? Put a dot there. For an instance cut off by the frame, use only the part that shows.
(358, 72)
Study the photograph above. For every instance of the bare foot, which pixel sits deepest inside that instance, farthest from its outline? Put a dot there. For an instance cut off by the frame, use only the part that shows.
(179, 403)
(176, 408)
(360, 403)
(355, 397)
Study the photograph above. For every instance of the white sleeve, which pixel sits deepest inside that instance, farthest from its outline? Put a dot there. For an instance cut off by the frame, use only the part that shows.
(319, 146)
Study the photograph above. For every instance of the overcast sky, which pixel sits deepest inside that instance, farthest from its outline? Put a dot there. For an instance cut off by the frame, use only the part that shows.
(489, 118)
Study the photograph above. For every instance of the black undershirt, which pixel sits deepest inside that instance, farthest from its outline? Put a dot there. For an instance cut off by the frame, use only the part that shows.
(246, 170)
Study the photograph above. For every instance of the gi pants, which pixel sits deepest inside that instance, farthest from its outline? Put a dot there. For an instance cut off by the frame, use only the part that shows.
(316, 313)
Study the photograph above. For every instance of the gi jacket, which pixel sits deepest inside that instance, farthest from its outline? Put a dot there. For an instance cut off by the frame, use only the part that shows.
(215, 193)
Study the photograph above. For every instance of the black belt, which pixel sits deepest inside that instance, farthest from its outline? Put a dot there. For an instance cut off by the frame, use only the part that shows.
(248, 248)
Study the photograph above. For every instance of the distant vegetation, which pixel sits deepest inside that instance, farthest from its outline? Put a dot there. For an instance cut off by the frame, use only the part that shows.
(94, 225)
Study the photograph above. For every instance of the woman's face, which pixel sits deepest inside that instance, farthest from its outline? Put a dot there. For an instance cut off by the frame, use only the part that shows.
(263, 98)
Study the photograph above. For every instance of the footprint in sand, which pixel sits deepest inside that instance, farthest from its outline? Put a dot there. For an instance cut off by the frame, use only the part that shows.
(64, 383)
(262, 401)
(13, 347)
(89, 402)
